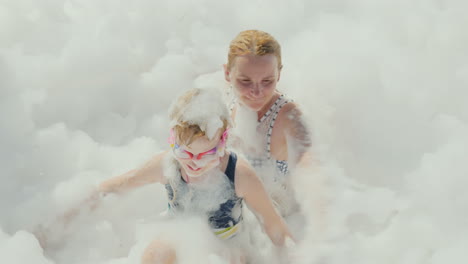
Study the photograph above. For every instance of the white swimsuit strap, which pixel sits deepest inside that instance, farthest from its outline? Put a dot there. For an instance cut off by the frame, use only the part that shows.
(271, 108)
(278, 105)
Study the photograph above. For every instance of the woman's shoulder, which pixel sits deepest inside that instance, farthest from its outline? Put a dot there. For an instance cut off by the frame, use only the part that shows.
(289, 114)
(289, 107)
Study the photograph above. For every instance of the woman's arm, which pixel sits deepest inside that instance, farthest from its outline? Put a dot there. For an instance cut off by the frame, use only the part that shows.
(305, 164)
(297, 134)
(249, 186)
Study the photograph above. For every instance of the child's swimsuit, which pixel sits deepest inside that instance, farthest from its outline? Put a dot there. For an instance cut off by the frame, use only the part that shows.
(226, 219)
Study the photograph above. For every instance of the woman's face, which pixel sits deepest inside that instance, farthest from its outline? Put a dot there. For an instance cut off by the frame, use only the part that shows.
(254, 79)
(200, 156)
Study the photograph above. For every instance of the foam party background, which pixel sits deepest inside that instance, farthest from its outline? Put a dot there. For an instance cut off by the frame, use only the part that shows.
(85, 87)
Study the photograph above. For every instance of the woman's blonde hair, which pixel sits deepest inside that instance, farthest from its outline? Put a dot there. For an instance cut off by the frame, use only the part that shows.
(186, 131)
(255, 42)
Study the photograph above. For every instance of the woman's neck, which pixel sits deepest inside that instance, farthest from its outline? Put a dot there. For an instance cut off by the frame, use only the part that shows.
(267, 106)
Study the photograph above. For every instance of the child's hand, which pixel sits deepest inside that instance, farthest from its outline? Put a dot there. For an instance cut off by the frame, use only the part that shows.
(49, 234)
(42, 235)
(44, 232)
(89, 204)
(291, 251)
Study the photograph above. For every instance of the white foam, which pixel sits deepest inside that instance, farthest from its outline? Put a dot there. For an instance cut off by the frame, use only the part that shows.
(85, 88)
(207, 109)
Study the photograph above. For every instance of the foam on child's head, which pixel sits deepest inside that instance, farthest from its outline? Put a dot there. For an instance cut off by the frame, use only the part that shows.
(203, 107)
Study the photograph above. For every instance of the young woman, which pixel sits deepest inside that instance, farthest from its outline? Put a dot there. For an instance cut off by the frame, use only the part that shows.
(281, 139)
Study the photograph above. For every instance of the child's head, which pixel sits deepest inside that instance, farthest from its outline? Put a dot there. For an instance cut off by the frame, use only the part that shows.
(197, 113)
(199, 122)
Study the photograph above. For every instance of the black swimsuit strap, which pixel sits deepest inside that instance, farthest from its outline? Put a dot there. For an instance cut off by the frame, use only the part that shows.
(231, 167)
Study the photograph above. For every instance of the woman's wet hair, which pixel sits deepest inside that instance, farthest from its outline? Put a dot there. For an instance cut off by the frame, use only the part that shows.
(253, 42)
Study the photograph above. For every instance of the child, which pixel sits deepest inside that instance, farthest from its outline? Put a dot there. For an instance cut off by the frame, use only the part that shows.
(201, 176)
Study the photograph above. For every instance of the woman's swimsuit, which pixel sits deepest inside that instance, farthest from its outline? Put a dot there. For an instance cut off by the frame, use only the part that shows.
(274, 173)
(264, 130)
(225, 221)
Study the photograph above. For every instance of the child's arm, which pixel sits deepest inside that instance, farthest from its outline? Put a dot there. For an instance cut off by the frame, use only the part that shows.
(249, 186)
(150, 172)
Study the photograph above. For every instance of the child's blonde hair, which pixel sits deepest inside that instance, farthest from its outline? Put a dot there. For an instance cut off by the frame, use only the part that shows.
(186, 131)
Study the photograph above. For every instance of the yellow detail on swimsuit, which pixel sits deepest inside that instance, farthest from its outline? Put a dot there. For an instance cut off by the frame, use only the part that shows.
(228, 232)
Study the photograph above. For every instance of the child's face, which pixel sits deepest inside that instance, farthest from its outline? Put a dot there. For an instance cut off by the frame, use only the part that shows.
(201, 156)
(254, 79)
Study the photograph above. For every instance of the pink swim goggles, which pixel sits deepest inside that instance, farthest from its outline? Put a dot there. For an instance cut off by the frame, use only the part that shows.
(206, 156)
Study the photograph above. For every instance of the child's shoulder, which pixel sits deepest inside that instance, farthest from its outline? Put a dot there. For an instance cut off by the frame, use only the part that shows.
(243, 165)
(244, 171)
(246, 178)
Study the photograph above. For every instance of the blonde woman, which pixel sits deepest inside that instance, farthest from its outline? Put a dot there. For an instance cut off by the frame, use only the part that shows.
(281, 139)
